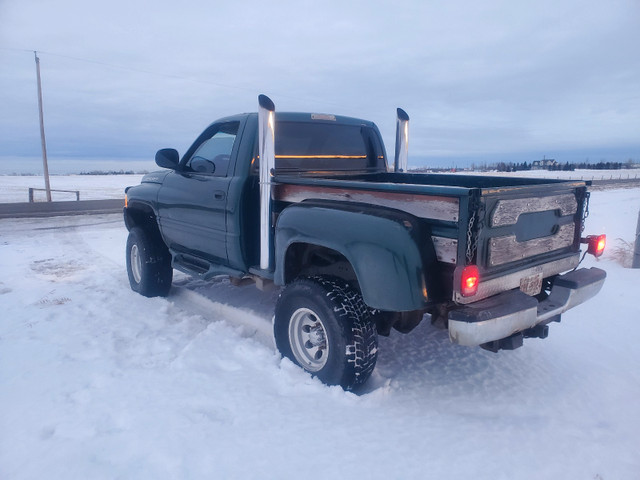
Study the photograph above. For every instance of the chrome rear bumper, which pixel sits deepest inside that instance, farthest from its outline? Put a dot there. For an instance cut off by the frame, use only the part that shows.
(511, 312)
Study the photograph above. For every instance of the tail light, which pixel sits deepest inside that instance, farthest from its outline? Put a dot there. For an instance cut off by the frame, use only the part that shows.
(595, 244)
(469, 281)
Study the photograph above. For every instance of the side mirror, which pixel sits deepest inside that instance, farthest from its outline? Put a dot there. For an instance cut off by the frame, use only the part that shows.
(168, 158)
(202, 165)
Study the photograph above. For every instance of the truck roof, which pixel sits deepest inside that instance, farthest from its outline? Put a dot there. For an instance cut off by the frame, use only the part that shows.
(305, 117)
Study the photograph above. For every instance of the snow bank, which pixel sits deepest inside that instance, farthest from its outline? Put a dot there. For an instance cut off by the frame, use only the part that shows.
(98, 382)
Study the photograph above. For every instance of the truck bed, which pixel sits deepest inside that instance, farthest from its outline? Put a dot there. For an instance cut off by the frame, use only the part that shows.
(516, 230)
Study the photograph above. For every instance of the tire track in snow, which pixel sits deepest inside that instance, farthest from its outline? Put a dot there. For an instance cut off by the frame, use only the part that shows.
(254, 325)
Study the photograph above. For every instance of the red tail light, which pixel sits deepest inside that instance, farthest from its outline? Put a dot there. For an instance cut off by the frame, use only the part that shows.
(595, 244)
(469, 281)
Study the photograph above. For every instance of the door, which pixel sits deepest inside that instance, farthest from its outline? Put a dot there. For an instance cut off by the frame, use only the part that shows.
(192, 202)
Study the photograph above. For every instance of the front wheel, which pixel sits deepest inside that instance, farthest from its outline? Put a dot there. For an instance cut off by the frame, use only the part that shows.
(323, 325)
(148, 264)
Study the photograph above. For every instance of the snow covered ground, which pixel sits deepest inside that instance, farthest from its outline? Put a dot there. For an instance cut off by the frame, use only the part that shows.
(575, 175)
(97, 382)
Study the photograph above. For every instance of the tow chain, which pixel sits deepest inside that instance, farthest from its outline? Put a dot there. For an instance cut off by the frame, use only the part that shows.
(585, 210)
(476, 220)
(470, 243)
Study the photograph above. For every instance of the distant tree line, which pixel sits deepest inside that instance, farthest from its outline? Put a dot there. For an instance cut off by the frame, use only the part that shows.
(565, 167)
(112, 172)
(550, 165)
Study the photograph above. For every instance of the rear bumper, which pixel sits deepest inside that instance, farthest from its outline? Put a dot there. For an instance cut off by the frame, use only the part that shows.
(511, 312)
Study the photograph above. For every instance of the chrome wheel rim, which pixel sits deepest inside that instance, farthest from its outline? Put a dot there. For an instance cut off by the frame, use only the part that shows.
(308, 340)
(136, 263)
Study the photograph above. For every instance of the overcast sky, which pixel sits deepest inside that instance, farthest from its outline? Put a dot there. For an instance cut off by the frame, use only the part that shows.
(480, 80)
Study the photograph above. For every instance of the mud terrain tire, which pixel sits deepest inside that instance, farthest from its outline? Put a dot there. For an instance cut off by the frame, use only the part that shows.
(148, 264)
(323, 325)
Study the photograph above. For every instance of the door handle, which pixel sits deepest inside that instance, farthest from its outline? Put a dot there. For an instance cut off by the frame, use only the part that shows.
(219, 195)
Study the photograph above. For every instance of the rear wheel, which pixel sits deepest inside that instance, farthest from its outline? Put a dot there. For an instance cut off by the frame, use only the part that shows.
(323, 325)
(148, 264)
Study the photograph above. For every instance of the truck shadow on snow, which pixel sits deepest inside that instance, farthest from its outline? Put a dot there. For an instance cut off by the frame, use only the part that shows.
(424, 359)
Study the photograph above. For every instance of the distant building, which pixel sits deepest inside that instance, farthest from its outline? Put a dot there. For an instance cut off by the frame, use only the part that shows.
(544, 164)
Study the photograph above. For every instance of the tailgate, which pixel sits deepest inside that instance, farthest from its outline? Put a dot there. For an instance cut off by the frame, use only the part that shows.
(521, 235)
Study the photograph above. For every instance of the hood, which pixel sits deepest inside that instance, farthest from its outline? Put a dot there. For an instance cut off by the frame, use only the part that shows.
(155, 177)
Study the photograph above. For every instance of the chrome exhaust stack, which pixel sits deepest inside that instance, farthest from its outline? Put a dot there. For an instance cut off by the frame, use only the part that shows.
(266, 133)
(401, 161)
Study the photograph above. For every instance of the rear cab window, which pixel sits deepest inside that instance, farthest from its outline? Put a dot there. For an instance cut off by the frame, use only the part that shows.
(325, 147)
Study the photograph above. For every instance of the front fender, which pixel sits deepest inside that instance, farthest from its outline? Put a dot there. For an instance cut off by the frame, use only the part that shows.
(381, 245)
(141, 204)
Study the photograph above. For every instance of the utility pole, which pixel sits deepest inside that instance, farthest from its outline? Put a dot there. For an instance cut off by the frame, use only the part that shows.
(47, 186)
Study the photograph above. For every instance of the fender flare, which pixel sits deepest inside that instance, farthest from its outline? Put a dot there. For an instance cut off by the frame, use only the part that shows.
(134, 209)
(382, 246)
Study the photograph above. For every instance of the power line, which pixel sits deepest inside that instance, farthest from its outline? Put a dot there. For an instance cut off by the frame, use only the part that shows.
(127, 68)
(170, 76)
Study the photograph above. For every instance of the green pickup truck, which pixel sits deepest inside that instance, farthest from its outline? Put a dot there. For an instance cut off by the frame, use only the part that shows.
(308, 203)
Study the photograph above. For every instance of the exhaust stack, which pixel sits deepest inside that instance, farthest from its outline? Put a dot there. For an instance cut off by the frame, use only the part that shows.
(402, 142)
(266, 132)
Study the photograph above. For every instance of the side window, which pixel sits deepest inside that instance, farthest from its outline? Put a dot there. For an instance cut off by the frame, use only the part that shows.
(214, 152)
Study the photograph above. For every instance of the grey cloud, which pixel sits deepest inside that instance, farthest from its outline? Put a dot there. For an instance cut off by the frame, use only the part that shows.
(476, 77)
